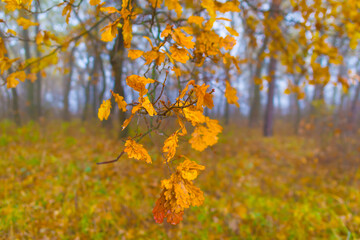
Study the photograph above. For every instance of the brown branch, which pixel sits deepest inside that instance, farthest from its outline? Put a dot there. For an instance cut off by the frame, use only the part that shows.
(112, 161)
(168, 109)
(50, 8)
(162, 89)
(138, 140)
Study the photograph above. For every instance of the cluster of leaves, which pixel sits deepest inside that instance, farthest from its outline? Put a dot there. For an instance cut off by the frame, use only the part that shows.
(188, 42)
(306, 37)
(175, 48)
(205, 134)
(179, 193)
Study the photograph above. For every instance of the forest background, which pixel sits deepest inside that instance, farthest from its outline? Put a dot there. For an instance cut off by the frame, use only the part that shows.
(179, 119)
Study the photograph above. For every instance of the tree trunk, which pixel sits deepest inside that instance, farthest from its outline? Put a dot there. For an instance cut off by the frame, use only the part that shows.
(94, 83)
(94, 99)
(227, 113)
(3, 105)
(353, 108)
(319, 92)
(86, 85)
(297, 115)
(116, 60)
(269, 111)
(15, 106)
(103, 74)
(67, 85)
(255, 108)
(297, 108)
(87, 98)
(8, 105)
(38, 83)
(30, 106)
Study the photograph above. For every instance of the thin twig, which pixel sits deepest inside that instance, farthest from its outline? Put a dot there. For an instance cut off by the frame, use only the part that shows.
(138, 140)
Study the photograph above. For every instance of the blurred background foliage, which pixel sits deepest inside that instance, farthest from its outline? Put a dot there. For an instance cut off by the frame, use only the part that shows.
(283, 187)
(292, 76)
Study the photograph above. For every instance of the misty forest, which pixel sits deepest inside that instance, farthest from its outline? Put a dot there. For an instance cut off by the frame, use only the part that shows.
(178, 119)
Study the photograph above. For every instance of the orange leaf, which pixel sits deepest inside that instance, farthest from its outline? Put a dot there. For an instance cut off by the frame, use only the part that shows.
(137, 151)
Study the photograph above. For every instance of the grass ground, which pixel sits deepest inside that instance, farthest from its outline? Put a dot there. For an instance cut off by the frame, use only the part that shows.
(285, 187)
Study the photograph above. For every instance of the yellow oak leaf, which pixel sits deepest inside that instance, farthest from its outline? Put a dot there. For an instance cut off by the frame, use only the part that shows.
(177, 71)
(182, 131)
(200, 95)
(109, 9)
(136, 108)
(94, 2)
(160, 59)
(138, 83)
(198, 139)
(196, 19)
(126, 3)
(67, 11)
(162, 210)
(5, 63)
(12, 32)
(174, 5)
(11, 80)
(186, 194)
(150, 56)
(127, 33)
(26, 23)
(126, 122)
(155, 3)
(188, 29)
(137, 151)
(109, 32)
(194, 115)
(232, 31)
(179, 54)
(104, 110)
(120, 101)
(149, 40)
(230, 94)
(170, 145)
(213, 126)
(40, 38)
(184, 91)
(203, 137)
(134, 54)
(3, 50)
(228, 6)
(209, 5)
(208, 100)
(166, 31)
(189, 169)
(12, 5)
(148, 106)
(228, 42)
(182, 40)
